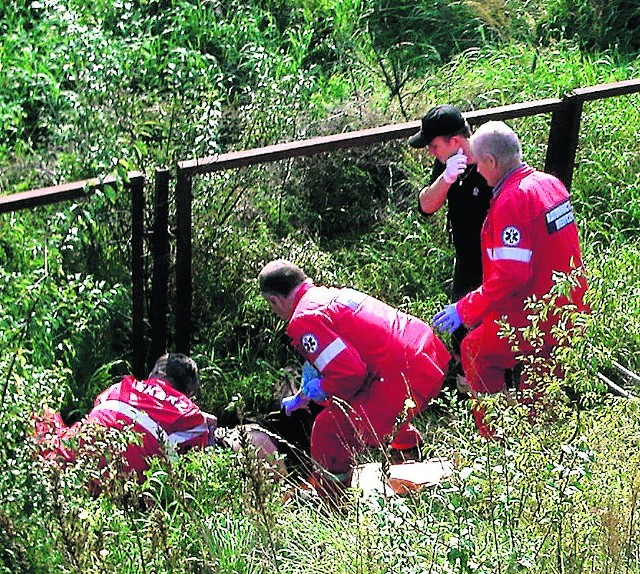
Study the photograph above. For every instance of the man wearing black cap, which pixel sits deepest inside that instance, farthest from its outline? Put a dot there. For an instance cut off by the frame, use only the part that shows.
(445, 133)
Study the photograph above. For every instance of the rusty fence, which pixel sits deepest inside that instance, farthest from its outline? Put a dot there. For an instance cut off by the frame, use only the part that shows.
(78, 190)
(564, 129)
(566, 114)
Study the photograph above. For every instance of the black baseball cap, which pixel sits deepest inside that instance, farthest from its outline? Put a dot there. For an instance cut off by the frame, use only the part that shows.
(441, 120)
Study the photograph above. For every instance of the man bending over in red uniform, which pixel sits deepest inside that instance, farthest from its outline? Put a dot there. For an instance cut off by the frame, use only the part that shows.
(528, 235)
(377, 366)
(159, 409)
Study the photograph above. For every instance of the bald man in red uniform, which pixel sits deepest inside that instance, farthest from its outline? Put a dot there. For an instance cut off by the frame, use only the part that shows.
(377, 366)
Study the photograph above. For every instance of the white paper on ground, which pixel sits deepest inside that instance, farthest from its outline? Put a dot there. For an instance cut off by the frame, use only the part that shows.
(368, 477)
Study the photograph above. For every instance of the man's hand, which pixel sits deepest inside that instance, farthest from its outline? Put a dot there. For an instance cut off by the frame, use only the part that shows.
(210, 420)
(212, 424)
(455, 166)
(448, 319)
(313, 390)
(294, 402)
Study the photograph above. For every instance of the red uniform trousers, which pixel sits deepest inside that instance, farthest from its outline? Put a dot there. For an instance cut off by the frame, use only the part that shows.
(342, 429)
(485, 358)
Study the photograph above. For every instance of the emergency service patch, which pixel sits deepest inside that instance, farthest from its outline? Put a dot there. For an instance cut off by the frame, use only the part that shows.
(511, 236)
(559, 217)
(309, 343)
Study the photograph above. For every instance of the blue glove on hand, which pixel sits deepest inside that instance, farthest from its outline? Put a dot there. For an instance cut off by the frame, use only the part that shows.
(309, 372)
(448, 319)
(313, 390)
(293, 403)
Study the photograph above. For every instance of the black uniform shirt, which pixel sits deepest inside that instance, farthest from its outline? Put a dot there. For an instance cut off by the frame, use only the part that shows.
(467, 202)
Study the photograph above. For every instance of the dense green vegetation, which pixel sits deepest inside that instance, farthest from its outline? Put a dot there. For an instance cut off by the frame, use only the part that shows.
(115, 85)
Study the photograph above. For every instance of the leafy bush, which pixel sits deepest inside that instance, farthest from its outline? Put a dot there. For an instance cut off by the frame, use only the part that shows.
(343, 194)
(57, 316)
(421, 33)
(594, 24)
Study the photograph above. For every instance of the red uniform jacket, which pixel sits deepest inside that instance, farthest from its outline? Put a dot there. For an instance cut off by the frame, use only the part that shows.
(528, 234)
(352, 339)
(166, 419)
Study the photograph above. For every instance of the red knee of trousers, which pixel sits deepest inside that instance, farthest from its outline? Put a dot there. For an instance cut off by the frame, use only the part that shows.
(333, 440)
(485, 356)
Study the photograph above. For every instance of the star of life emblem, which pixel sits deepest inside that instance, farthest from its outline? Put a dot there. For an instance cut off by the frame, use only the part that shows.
(511, 236)
(309, 343)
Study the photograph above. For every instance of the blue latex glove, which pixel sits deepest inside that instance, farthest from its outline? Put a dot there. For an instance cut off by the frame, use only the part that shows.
(313, 390)
(293, 403)
(448, 319)
(309, 372)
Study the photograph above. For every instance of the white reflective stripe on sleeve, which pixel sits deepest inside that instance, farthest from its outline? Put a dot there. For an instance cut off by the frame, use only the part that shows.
(151, 426)
(330, 352)
(351, 298)
(510, 254)
(179, 437)
(137, 416)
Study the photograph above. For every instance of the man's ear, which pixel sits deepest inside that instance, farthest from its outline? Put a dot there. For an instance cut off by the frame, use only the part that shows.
(457, 140)
(279, 305)
(272, 299)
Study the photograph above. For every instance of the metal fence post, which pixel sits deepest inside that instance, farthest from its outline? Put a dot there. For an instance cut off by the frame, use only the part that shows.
(183, 261)
(160, 274)
(563, 139)
(137, 273)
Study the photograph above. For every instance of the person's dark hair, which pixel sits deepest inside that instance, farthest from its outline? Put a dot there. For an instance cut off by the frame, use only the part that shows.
(464, 132)
(280, 277)
(180, 371)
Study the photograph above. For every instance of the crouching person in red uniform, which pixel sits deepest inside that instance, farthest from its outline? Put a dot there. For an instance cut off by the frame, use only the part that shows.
(529, 233)
(159, 409)
(377, 366)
